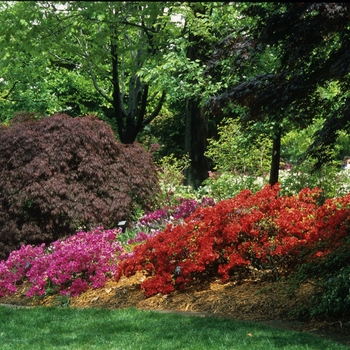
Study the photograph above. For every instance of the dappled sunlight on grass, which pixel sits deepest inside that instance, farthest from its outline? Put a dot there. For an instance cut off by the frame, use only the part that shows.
(62, 328)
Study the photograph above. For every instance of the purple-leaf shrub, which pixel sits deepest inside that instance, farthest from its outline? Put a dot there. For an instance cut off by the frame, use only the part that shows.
(85, 260)
(61, 173)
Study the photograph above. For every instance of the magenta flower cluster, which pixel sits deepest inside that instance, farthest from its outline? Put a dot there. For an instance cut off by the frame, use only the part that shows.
(189, 206)
(142, 237)
(68, 267)
(154, 222)
(170, 214)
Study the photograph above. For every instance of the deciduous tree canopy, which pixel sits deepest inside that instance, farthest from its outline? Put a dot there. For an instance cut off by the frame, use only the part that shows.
(104, 43)
(312, 47)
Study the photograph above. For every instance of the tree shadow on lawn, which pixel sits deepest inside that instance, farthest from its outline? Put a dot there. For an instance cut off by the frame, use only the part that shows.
(135, 329)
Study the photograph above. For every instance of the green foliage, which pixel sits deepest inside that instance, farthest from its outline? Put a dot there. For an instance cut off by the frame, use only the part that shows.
(90, 53)
(181, 77)
(171, 177)
(295, 143)
(342, 145)
(242, 161)
(310, 78)
(184, 70)
(331, 278)
(238, 151)
(334, 300)
(33, 77)
(168, 131)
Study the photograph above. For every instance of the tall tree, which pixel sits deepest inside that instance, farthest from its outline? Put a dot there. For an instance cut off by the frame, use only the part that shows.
(183, 73)
(196, 120)
(311, 41)
(108, 41)
(206, 24)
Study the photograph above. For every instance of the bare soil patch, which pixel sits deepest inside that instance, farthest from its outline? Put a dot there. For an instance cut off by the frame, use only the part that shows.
(269, 303)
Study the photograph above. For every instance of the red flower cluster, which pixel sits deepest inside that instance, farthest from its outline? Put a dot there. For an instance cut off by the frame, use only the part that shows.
(262, 230)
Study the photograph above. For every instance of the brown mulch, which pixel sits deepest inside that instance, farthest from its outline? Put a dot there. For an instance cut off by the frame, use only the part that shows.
(269, 303)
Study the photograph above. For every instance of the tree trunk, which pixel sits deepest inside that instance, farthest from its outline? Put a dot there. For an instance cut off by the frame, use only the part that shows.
(275, 159)
(132, 120)
(196, 122)
(196, 134)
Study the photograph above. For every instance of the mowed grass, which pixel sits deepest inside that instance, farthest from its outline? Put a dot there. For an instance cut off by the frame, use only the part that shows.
(69, 328)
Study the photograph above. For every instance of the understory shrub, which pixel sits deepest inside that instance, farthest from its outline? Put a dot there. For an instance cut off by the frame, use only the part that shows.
(333, 297)
(333, 181)
(224, 185)
(171, 180)
(263, 231)
(59, 174)
(240, 152)
(330, 276)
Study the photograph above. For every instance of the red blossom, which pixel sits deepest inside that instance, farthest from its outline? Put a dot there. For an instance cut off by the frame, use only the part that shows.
(261, 230)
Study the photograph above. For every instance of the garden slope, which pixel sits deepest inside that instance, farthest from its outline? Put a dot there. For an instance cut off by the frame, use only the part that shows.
(264, 302)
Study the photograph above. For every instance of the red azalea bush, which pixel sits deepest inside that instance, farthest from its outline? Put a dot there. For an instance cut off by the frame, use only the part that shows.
(59, 173)
(261, 230)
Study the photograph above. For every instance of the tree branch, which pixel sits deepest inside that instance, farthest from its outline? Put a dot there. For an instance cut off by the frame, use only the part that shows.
(9, 93)
(156, 110)
(91, 71)
(94, 81)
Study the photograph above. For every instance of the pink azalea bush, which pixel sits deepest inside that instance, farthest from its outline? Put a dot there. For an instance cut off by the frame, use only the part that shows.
(69, 267)
(86, 259)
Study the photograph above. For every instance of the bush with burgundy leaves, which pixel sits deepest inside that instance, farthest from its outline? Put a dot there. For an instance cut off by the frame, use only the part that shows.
(262, 231)
(59, 174)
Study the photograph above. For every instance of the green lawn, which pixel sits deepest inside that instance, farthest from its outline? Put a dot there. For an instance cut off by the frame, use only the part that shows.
(69, 328)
